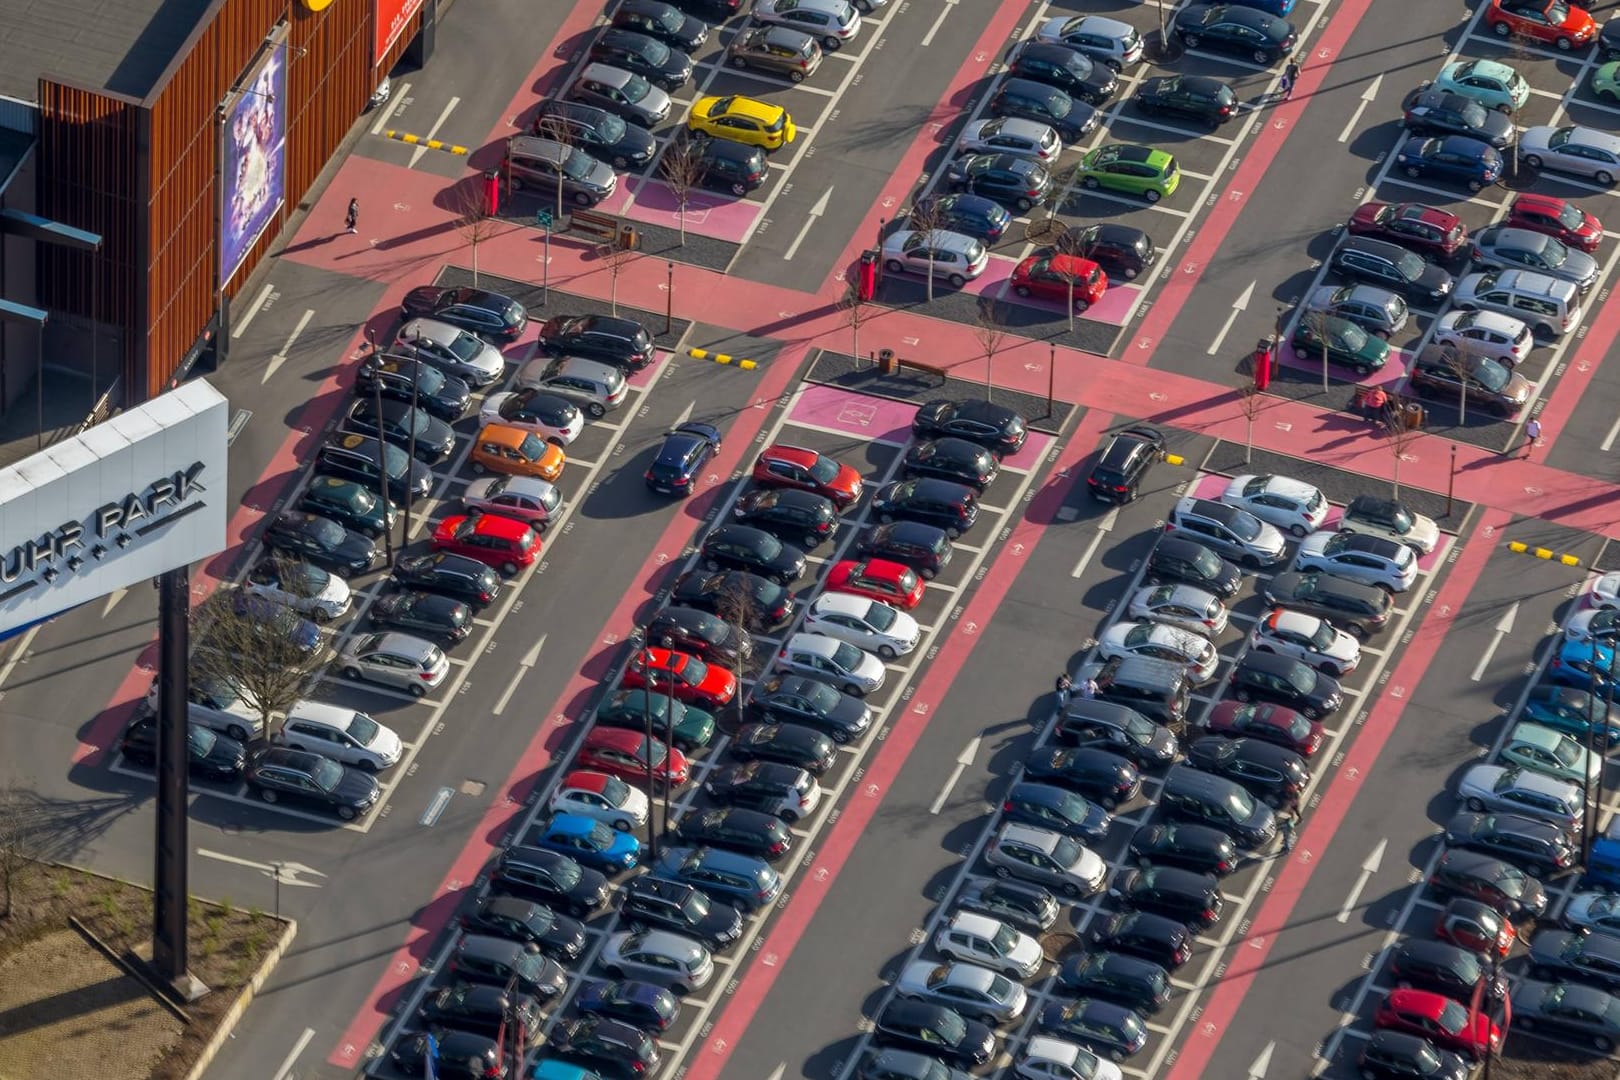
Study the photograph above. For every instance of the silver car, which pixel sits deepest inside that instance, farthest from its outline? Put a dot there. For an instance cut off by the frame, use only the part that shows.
(1108, 41)
(1514, 790)
(526, 498)
(1309, 639)
(658, 956)
(1521, 249)
(622, 93)
(832, 22)
(1162, 642)
(975, 992)
(1580, 151)
(1377, 311)
(945, 254)
(450, 349)
(399, 661)
(1011, 135)
(308, 590)
(1370, 560)
(1186, 606)
(1034, 854)
(596, 387)
(777, 49)
(1282, 501)
(1486, 333)
(854, 671)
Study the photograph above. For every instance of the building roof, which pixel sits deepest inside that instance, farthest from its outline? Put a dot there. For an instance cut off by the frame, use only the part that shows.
(121, 46)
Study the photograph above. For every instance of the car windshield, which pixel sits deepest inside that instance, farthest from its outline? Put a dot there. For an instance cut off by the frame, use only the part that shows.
(1239, 804)
(1299, 728)
(696, 907)
(466, 347)
(615, 791)
(1561, 136)
(1491, 375)
(429, 379)
(847, 656)
(1473, 114)
(363, 729)
(201, 740)
(1569, 217)
(326, 531)
(1426, 1061)
(1324, 636)
(881, 617)
(655, 52)
(1066, 851)
(656, 750)
(1001, 989)
(1005, 940)
(1301, 678)
(1161, 597)
(824, 470)
(1410, 266)
(1557, 14)
(1245, 526)
(636, 88)
(1140, 634)
(533, 447)
(565, 874)
(949, 1025)
(578, 164)
(820, 697)
(695, 670)
(530, 966)
(610, 128)
(1566, 753)
(601, 836)
(327, 774)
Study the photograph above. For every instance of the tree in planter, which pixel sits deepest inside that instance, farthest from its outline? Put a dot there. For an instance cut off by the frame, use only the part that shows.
(617, 258)
(736, 606)
(927, 221)
(1049, 229)
(473, 220)
(244, 641)
(1317, 325)
(990, 330)
(682, 170)
(1251, 402)
(1457, 364)
(1400, 431)
(551, 128)
(21, 843)
(856, 312)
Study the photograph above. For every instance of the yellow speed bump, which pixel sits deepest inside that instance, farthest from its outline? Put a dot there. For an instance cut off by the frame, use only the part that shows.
(721, 358)
(1542, 553)
(431, 144)
(1174, 459)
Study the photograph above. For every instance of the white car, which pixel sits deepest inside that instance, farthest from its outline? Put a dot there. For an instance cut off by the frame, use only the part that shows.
(1011, 135)
(526, 498)
(1594, 624)
(854, 671)
(1186, 606)
(1047, 1058)
(1580, 151)
(982, 940)
(1110, 42)
(1486, 333)
(1291, 505)
(1163, 642)
(949, 255)
(867, 624)
(308, 590)
(1605, 593)
(658, 956)
(1510, 790)
(217, 704)
(603, 797)
(975, 992)
(342, 734)
(831, 22)
(1370, 560)
(1313, 640)
(555, 419)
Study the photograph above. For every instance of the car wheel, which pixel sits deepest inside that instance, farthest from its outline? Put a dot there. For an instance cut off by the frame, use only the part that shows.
(1603, 1043)
(1327, 667)
(509, 568)
(478, 467)
(582, 198)
(1023, 204)
(1090, 183)
(1533, 161)
(1250, 562)
(1413, 171)
(1021, 290)
(1298, 532)
(1263, 58)
(1108, 802)
(1081, 305)
(956, 281)
(886, 519)
(1191, 41)
(888, 652)
(1357, 631)
(1368, 1074)
(622, 825)
(1475, 186)
(893, 266)
(353, 673)
(1502, 29)
(416, 689)
(1363, 369)
(739, 189)
(840, 737)
(928, 575)
(1272, 801)
(1311, 713)
(1476, 805)
(739, 63)
(1242, 694)
(831, 44)
(1116, 1056)
(235, 731)
(596, 410)
(1069, 889)
(790, 817)
(613, 971)
(1153, 195)
(347, 813)
(1604, 177)
(854, 690)
(810, 542)
(711, 565)
(1564, 44)
(268, 795)
(621, 162)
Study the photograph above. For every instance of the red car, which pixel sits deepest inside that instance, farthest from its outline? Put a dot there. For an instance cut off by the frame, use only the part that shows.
(1446, 1023)
(878, 579)
(502, 542)
(623, 753)
(1554, 22)
(796, 467)
(1051, 277)
(708, 686)
(1273, 723)
(1558, 218)
(1471, 925)
(1426, 230)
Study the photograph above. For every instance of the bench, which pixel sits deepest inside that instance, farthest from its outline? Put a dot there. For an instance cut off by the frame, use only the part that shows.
(603, 227)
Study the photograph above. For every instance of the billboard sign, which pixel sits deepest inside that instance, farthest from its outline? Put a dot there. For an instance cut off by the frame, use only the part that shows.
(392, 18)
(127, 500)
(253, 161)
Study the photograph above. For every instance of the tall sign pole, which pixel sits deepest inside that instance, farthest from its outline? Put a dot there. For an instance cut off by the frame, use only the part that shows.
(170, 888)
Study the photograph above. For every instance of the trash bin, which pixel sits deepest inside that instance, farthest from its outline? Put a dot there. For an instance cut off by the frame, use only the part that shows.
(866, 283)
(888, 363)
(1413, 418)
(628, 240)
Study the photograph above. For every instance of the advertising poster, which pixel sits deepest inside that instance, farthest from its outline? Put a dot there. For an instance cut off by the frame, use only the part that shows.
(253, 160)
(392, 17)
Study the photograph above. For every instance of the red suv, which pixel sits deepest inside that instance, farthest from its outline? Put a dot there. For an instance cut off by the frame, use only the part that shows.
(501, 542)
(1558, 218)
(796, 467)
(1058, 277)
(1554, 22)
(1427, 230)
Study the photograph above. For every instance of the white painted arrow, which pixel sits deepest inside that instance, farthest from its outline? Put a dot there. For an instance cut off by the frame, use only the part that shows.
(1240, 305)
(963, 760)
(778, 1072)
(804, 230)
(1367, 97)
(1368, 869)
(529, 660)
(1504, 627)
(1257, 1071)
(288, 872)
(281, 357)
(928, 38)
(1104, 527)
(686, 414)
(112, 601)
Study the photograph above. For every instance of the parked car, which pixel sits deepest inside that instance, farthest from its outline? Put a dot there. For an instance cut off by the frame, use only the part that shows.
(802, 518)
(527, 922)
(869, 624)
(1025, 905)
(936, 1030)
(1391, 519)
(995, 427)
(1275, 774)
(1310, 639)
(1195, 96)
(209, 755)
(1124, 463)
(1183, 560)
(652, 903)
(682, 457)
(979, 939)
(1243, 31)
(624, 343)
(954, 460)
(1370, 560)
(973, 991)
(741, 547)
(1568, 1011)
(601, 796)
(1513, 790)
(1430, 231)
(275, 774)
(1540, 847)
(477, 311)
(1047, 858)
(1191, 847)
(399, 661)
(779, 50)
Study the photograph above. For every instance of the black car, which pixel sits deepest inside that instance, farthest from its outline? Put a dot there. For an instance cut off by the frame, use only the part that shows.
(1104, 778)
(1539, 847)
(640, 1004)
(716, 11)
(1176, 558)
(623, 342)
(654, 904)
(1164, 941)
(951, 459)
(1010, 180)
(1191, 847)
(606, 1045)
(413, 430)
(1195, 96)
(767, 605)
(1444, 969)
(1072, 118)
(482, 1009)
(1390, 266)
(1449, 375)
(1075, 73)
(1359, 609)
(276, 774)
(1121, 250)
(322, 541)
(802, 518)
(971, 215)
(935, 1030)
(787, 744)
(601, 134)
(554, 880)
(725, 165)
(478, 311)
(740, 547)
(1274, 774)
(1395, 1055)
(951, 507)
(362, 459)
(526, 921)
(457, 1055)
(747, 831)
(1103, 1027)
(632, 709)
(1127, 980)
(1261, 676)
(450, 575)
(1125, 461)
(798, 699)
(649, 57)
(1018, 902)
(415, 382)
(429, 615)
(1569, 956)
(1242, 31)
(924, 548)
(699, 633)
(994, 427)
(681, 458)
(1118, 728)
(663, 21)
(1183, 895)
(1438, 112)
(1051, 807)
(209, 755)
(1497, 884)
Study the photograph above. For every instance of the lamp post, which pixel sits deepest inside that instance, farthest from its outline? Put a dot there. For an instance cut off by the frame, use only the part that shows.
(382, 454)
(669, 297)
(416, 374)
(1051, 375)
(644, 659)
(669, 733)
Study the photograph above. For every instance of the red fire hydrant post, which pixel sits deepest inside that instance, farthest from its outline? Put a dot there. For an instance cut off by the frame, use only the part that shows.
(867, 284)
(492, 191)
(1262, 365)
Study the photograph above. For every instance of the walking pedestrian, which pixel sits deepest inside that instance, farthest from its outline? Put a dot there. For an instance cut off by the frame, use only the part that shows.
(1290, 76)
(352, 219)
(1288, 830)
(1532, 432)
(1064, 686)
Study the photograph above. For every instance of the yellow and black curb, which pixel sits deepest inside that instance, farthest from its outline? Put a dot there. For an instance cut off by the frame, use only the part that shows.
(431, 144)
(1543, 553)
(721, 358)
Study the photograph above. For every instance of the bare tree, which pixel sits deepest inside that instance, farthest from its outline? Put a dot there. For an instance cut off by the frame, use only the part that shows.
(617, 257)
(1317, 326)
(1461, 368)
(473, 219)
(856, 311)
(737, 607)
(927, 221)
(990, 330)
(1401, 429)
(245, 643)
(1048, 227)
(553, 128)
(682, 169)
(21, 843)
(1251, 402)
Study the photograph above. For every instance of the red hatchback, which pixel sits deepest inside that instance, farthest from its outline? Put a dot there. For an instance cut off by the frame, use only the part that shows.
(708, 686)
(1553, 22)
(1426, 230)
(796, 467)
(1558, 218)
(624, 753)
(878, 579)
(1058, 277)
(1272, 723)
(1446, 1023)
(501, 542)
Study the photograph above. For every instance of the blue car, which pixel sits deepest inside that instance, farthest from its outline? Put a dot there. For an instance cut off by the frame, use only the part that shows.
(1566, 709)
(551, 1069)
(1454, 158)
(741, 880)
(639, 1004)
(971, 215)
(590, 843)
(1584, 665)
(681, 459)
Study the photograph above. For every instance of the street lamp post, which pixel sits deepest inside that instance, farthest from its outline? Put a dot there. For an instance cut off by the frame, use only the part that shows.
(1051, 376)
(669, 735)
(646, 717)
(1451, 479)
(382, 454)
(669, 297)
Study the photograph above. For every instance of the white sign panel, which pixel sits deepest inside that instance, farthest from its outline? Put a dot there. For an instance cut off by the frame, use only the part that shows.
(127, 500)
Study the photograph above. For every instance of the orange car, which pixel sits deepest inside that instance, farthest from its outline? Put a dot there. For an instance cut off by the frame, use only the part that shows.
(502, 448)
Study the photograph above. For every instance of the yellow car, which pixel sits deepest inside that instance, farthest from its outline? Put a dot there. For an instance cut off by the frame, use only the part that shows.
(744, 120)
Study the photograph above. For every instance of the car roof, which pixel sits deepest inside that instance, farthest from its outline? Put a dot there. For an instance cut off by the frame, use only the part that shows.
(571, 825)
(941, 238)
(971, 922)
(621, 738)
(497, 525)
(1104, 26)
(1030, 836)
(405, 645)
(843, 604)
(1526, 780)
(797, 455)
(434, 330)
(742, 105)
(606, 74)
(820, 644)
(1018, 125)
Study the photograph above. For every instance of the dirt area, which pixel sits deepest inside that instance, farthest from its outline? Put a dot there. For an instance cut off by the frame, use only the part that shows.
(1550, 1063)
(67, 1010)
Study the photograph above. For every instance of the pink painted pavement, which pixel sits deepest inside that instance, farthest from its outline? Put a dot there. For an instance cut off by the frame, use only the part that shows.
(1393, 371)
(712, 214)
(878, 419)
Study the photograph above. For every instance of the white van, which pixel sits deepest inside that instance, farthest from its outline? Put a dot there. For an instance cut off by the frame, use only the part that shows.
(1549, 306)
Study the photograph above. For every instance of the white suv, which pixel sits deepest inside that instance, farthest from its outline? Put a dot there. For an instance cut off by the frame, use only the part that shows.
(340, 733)
(980, 939)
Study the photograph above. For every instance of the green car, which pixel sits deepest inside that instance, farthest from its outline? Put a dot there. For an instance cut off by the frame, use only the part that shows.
(349, 504)
(1347, 344)
(1494, 85)
(630, 708)
(1551, 753)
(1606, 83)
(1131, 170)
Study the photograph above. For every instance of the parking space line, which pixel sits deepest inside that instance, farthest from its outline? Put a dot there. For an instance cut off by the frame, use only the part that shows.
(828, 430)
(1202, 136)
(1220, 58)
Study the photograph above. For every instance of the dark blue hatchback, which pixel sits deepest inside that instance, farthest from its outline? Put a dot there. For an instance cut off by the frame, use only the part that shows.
(971, 215)
(685, 451)
(1453, 158)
